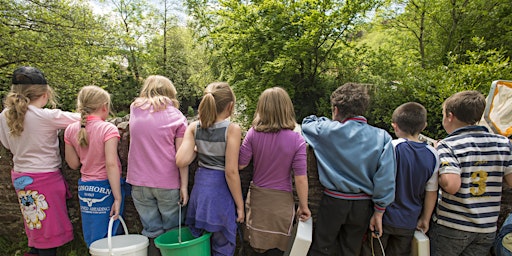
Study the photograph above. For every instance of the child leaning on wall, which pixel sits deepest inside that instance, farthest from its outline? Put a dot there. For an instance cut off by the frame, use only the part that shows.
(29, 131)
(356, 166)
(216, 202)
(277, 152)
(473, 163)
(157, 128)
(416, 184)
(91, 144)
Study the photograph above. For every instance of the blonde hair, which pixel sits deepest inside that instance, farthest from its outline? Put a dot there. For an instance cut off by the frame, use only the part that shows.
(17, 102)
(90, 99)
(157, 91)
(217, 96)
(274, 111)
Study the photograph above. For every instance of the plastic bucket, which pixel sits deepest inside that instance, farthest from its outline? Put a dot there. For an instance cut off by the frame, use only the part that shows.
(169, 243)
(122, 245)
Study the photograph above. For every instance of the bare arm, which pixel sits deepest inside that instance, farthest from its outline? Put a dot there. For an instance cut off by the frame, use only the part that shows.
(428, 207)
(232, 175)
(450, 182)
(183, 177)
(113, 174)
(186, 153)
(71, 156)
(301, 184)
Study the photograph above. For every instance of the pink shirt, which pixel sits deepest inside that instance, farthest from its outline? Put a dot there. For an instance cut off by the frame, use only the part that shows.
(152, 154)
(36, 150)
(92, 157)
(275, 156)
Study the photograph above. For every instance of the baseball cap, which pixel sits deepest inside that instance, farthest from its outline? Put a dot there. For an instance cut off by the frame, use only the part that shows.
(28, 75)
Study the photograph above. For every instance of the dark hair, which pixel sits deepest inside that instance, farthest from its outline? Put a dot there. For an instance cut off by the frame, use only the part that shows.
(467, 106)
(410, 117)
(351, 99)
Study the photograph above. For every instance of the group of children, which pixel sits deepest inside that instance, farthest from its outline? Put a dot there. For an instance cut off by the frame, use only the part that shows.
(406, 180)
(376, 188)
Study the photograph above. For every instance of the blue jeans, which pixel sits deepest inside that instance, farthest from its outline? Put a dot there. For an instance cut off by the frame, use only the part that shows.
(506, 228)
(445, 241)
(158, 209)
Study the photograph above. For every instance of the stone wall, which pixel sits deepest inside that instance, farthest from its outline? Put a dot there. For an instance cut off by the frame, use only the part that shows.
(12, 222)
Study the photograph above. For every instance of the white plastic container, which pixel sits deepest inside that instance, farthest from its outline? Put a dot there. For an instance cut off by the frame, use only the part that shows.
(302, 236)
(420, 244)
(122, 245)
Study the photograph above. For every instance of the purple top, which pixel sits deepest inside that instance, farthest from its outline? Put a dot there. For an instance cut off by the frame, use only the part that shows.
(275, 155)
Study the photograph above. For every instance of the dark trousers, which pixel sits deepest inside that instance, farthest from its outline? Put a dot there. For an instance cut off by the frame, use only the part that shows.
(340, 226)
(395, 241)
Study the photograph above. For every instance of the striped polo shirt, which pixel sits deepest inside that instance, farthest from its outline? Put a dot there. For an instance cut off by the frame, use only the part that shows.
(211, 145)
(481, 159)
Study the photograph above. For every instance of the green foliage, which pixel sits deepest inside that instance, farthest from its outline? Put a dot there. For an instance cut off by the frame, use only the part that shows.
(261, 44)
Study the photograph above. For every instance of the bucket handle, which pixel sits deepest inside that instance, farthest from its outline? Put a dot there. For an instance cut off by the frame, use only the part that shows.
(109, 235)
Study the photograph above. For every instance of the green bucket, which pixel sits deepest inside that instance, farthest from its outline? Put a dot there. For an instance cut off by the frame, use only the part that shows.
(169, 244)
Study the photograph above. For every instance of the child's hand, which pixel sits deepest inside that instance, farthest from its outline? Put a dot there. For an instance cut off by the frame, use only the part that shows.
(376, 224)
(115, 209)
(184, 196)
(240, 215)
(423, 225)
(304, 214)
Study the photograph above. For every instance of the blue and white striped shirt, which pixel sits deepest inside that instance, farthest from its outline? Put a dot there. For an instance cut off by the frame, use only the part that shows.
(481, 159)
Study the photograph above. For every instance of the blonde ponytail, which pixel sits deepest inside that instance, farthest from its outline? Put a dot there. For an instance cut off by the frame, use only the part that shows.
(90, 99)
(207, 111)
(17, 102)
(217, 96)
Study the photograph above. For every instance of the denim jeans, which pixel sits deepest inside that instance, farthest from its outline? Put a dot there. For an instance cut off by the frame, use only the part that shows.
(445, 241)
(506, 229)
(158, 209)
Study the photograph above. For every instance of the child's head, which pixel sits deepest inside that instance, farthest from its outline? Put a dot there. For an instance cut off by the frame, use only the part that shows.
(466, 106)
(91, 99)
(158, 91)
(410, 117)
(274, 111)
(217, 98)
(28, 85)
(351, 100)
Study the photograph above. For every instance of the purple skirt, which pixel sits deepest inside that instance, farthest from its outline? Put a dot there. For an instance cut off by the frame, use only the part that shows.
(211, 208)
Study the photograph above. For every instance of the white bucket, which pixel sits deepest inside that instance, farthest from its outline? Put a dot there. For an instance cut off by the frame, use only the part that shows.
(301, 238)
(125, 245)
(420, 244)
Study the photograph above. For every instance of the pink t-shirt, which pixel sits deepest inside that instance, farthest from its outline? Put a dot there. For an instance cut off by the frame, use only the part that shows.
(37, 149)
(275, 156)
(92, 157)
(152, 155)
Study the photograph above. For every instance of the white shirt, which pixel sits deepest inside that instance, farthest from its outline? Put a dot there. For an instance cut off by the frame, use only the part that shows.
(37, 149)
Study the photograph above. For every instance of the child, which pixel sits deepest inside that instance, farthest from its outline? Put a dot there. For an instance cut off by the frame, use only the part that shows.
(356, 166)
(277, 151)
(416, 183)
(92, 143)
(473, 164)
(217, 188)
(156, 131)
(29, 131)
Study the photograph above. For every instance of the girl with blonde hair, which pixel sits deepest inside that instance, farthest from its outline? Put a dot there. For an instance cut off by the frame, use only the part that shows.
(216, 202)
(277, 152)
(92, 144)
(157, 128)
(29, 131)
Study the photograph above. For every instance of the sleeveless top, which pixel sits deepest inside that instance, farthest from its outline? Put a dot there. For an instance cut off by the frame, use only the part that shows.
(211, 145)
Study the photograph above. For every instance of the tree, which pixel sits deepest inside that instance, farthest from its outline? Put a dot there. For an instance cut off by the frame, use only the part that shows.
(260, 44)
(64, 40)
